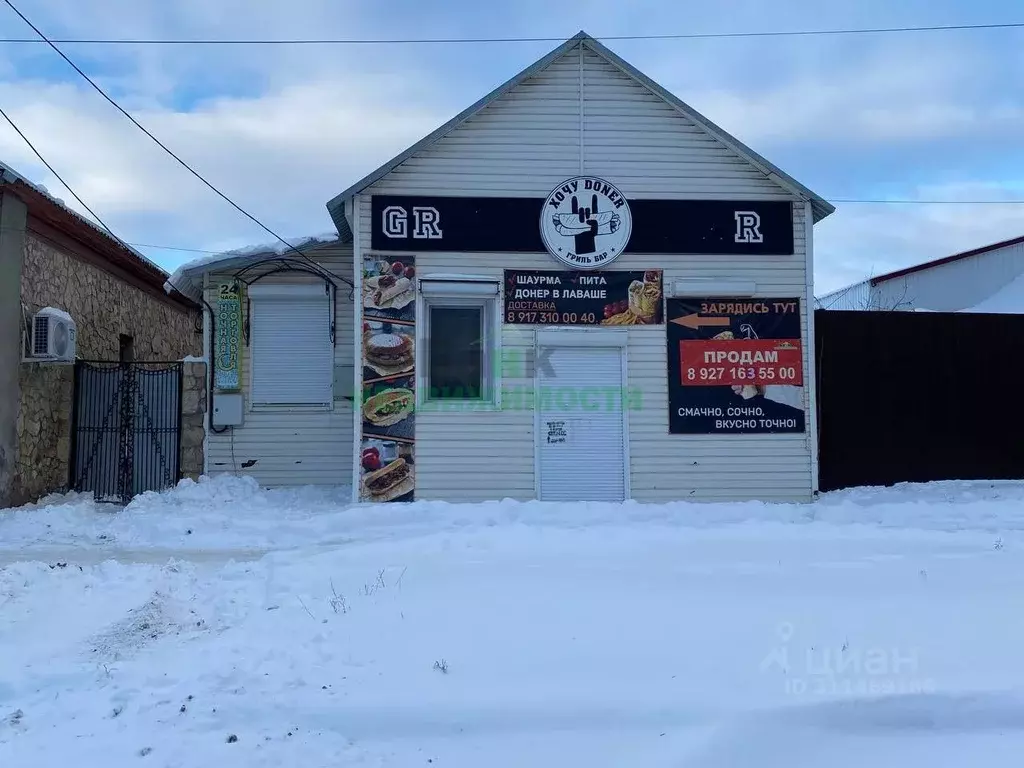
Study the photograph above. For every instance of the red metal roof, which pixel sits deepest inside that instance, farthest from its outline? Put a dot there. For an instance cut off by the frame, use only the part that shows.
(945, 260)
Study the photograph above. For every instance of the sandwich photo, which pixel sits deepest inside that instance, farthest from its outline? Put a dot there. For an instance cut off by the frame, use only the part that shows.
(389, 286)
(389, 482)
(388, 352)
(388, 407)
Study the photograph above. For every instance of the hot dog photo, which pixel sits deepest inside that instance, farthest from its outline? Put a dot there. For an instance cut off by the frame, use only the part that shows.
(387, 471)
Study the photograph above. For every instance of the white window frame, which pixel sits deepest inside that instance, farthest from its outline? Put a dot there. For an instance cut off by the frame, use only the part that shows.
(277, 292)
(461, 292)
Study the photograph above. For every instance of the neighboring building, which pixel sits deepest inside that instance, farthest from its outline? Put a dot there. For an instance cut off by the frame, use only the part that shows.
(579, 288)
(951, 284)
(51, 257)
(283, 330)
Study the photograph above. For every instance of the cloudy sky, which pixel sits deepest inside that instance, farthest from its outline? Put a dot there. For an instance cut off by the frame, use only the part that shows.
(282, 129)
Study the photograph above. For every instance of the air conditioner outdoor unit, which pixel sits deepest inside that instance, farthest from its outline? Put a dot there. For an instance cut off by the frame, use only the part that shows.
(53, 336)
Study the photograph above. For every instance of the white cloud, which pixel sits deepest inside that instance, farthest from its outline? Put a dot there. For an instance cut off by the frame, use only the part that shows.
(859, 240)
(281, 155)
(909, 92)
(283, 129)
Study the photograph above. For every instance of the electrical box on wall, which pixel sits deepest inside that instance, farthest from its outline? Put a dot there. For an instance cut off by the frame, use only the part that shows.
(344, 387)
(227, 410)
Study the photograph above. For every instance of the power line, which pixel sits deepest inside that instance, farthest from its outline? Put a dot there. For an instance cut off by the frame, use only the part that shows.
(924, 202)
(127, 246)
(59, 178)
(176, 248)
(208, 251)
(831, 200)
(159, 143)
(488, 40)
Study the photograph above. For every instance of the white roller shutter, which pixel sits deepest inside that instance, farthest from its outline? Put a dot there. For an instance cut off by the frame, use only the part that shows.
(581, 437)
(292, 354)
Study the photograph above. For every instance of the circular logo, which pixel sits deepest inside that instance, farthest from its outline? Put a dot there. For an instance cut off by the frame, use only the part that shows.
(585, 223)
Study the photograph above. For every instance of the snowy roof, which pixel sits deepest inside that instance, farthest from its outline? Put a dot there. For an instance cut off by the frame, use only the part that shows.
(188, 278)
(821, 207)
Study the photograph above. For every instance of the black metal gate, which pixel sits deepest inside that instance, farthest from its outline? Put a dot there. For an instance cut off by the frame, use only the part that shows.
(126, 428)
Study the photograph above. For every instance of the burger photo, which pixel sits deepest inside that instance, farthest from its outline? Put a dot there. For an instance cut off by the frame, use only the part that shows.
(388, 351)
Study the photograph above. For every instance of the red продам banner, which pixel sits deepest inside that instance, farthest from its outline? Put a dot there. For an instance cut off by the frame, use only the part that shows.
(727, 362)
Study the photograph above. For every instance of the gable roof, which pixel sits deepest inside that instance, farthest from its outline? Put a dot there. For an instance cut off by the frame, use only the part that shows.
(945, 260)
(820, 207)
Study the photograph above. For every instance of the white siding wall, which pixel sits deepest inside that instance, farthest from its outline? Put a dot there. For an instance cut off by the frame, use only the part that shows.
(525, 144)
(291, 446)
(954, 286)
(854, 297)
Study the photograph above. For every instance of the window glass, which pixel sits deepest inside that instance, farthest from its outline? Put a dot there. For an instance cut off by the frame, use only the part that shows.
(456, 353)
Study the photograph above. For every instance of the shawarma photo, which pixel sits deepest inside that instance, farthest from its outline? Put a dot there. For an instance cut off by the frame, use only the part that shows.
(389, 288)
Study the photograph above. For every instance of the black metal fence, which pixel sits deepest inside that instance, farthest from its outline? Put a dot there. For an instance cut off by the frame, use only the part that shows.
(915, 397)
(126, 428)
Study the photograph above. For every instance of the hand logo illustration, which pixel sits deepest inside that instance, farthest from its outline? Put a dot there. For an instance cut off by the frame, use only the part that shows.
(585, 224)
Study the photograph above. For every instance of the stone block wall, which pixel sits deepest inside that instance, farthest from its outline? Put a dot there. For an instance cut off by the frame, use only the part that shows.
(194, 399)
(103, 307)
(44, 431)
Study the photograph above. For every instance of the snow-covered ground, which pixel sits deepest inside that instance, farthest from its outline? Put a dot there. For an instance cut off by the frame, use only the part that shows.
(220, 625)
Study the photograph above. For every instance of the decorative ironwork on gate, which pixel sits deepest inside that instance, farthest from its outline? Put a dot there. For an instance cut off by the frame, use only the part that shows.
(126, 428)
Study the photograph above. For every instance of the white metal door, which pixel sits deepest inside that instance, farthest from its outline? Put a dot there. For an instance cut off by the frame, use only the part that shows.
(581, 443)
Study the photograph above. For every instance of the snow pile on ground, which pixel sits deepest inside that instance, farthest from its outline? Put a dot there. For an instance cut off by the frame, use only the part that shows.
(716, 636)
(222, 514)
(229, 514)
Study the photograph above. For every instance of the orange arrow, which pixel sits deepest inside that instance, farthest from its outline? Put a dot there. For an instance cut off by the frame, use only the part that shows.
(696, 321)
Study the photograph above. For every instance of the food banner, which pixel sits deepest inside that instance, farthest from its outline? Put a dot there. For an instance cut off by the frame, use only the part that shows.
(735, 366)
(227, 355)
(545, 297)
(387, 458)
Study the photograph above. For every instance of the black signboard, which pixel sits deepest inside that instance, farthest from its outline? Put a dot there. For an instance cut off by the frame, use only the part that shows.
(512, 225)
(763, 228)
(545, 297)
(735, 366)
